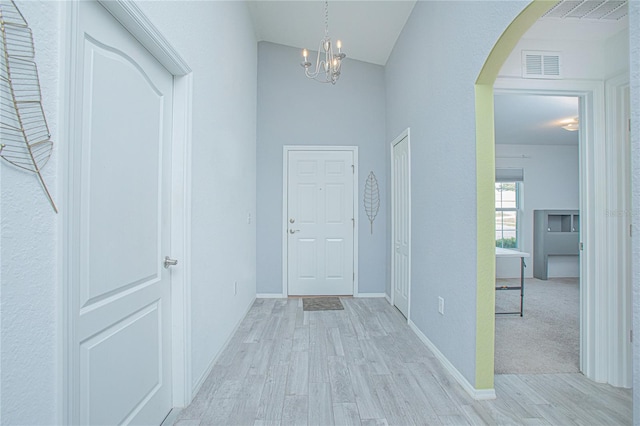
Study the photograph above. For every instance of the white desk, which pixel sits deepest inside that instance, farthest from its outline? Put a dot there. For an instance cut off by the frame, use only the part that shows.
(510, 253)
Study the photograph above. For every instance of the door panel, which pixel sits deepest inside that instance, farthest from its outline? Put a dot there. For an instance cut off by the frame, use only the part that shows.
(109, 152)
(120, 173)
(401, 226)
(112, 397)
(320, 195)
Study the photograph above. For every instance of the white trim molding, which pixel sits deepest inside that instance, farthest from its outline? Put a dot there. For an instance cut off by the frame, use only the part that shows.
(370, 295)
(271, 296)
(203, 377)
(181, 240)
(477, 394)
(285, 180)
(136, 22)
(618, 214)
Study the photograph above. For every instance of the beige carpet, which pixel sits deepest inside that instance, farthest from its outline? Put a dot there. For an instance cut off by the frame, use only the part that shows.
(547, 338)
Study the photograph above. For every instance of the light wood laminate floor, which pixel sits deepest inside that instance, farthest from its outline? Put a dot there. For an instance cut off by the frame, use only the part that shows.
(364, 366)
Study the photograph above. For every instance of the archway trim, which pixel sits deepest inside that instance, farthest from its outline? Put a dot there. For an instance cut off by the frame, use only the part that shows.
(485, 178)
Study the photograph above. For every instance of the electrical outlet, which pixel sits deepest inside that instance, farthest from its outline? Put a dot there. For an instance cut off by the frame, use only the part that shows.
(235, 288)
(441, 305)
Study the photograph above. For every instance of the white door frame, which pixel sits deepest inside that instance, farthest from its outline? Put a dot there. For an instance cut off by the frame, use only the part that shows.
(134, 21)
(618, 213)
(597, 312)
(285, 227)
(405, 134)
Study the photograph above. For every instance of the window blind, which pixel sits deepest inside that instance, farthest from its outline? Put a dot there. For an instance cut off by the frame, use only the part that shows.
(509, 175)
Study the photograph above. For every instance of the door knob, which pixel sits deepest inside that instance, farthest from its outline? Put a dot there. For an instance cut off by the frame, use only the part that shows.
(293, 231)
(169, 262)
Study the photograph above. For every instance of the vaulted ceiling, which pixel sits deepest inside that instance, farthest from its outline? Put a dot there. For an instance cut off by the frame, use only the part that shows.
(369, 29)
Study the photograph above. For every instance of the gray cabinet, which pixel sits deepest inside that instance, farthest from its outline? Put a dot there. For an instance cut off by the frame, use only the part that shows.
(555, 233)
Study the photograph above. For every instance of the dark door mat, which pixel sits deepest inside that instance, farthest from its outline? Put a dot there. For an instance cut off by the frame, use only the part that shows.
(322, 304)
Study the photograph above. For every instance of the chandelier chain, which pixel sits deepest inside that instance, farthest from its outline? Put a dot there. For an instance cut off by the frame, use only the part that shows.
(326, 18)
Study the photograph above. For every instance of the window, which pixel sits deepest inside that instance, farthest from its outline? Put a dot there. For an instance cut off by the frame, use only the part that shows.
(508, 207)
(507, 213)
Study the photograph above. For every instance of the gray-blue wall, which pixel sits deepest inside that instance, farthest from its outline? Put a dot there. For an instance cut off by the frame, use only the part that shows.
(430, 80)
(293, 110)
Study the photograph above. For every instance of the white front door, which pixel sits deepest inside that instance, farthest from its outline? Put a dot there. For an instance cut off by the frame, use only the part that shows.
(401, 205)
(320, 222)
(120, 229)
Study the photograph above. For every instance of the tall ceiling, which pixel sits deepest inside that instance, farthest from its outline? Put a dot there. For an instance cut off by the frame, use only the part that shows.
(369, 29)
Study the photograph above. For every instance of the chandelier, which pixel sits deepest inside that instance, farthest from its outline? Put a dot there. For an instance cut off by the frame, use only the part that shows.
(326, 70)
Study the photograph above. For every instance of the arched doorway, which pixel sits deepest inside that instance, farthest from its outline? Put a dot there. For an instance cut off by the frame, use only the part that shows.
(596, 333)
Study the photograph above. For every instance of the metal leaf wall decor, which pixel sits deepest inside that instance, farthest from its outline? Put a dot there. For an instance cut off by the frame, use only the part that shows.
(371, 198)
(24, 134)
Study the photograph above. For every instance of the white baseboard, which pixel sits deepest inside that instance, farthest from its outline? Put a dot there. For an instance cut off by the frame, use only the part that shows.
(478, 394)
(171, 417)
(282, 296)
(363, 295)
(386, 296)
(202, 378)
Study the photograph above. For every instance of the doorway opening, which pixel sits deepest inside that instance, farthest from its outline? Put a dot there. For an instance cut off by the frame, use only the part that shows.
(603, 324)
(537, 213)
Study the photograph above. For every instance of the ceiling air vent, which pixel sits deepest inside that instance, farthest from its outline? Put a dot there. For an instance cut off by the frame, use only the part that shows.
(536, 64)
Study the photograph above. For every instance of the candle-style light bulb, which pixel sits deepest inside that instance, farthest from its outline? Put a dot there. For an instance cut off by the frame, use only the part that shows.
(339, 45)
(305, 53)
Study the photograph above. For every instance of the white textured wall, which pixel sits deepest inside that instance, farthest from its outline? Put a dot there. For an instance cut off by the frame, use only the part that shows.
(551, 181)
(580, 59)
(216, 39)
(293, 110)
(634, 67)
(430, 81)
(223, 244)
(28, 265)
(616, 54)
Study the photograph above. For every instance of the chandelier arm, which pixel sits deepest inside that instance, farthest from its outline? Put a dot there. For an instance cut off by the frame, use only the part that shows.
(328, 69)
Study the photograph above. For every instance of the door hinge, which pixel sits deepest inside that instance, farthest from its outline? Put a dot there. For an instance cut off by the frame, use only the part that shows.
(353, 169)
(581, 246)
(353, 278)
(353, 222)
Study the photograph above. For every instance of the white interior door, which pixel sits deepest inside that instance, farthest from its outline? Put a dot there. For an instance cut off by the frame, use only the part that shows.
(320, 220)
(119, 209)
(401, 205)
